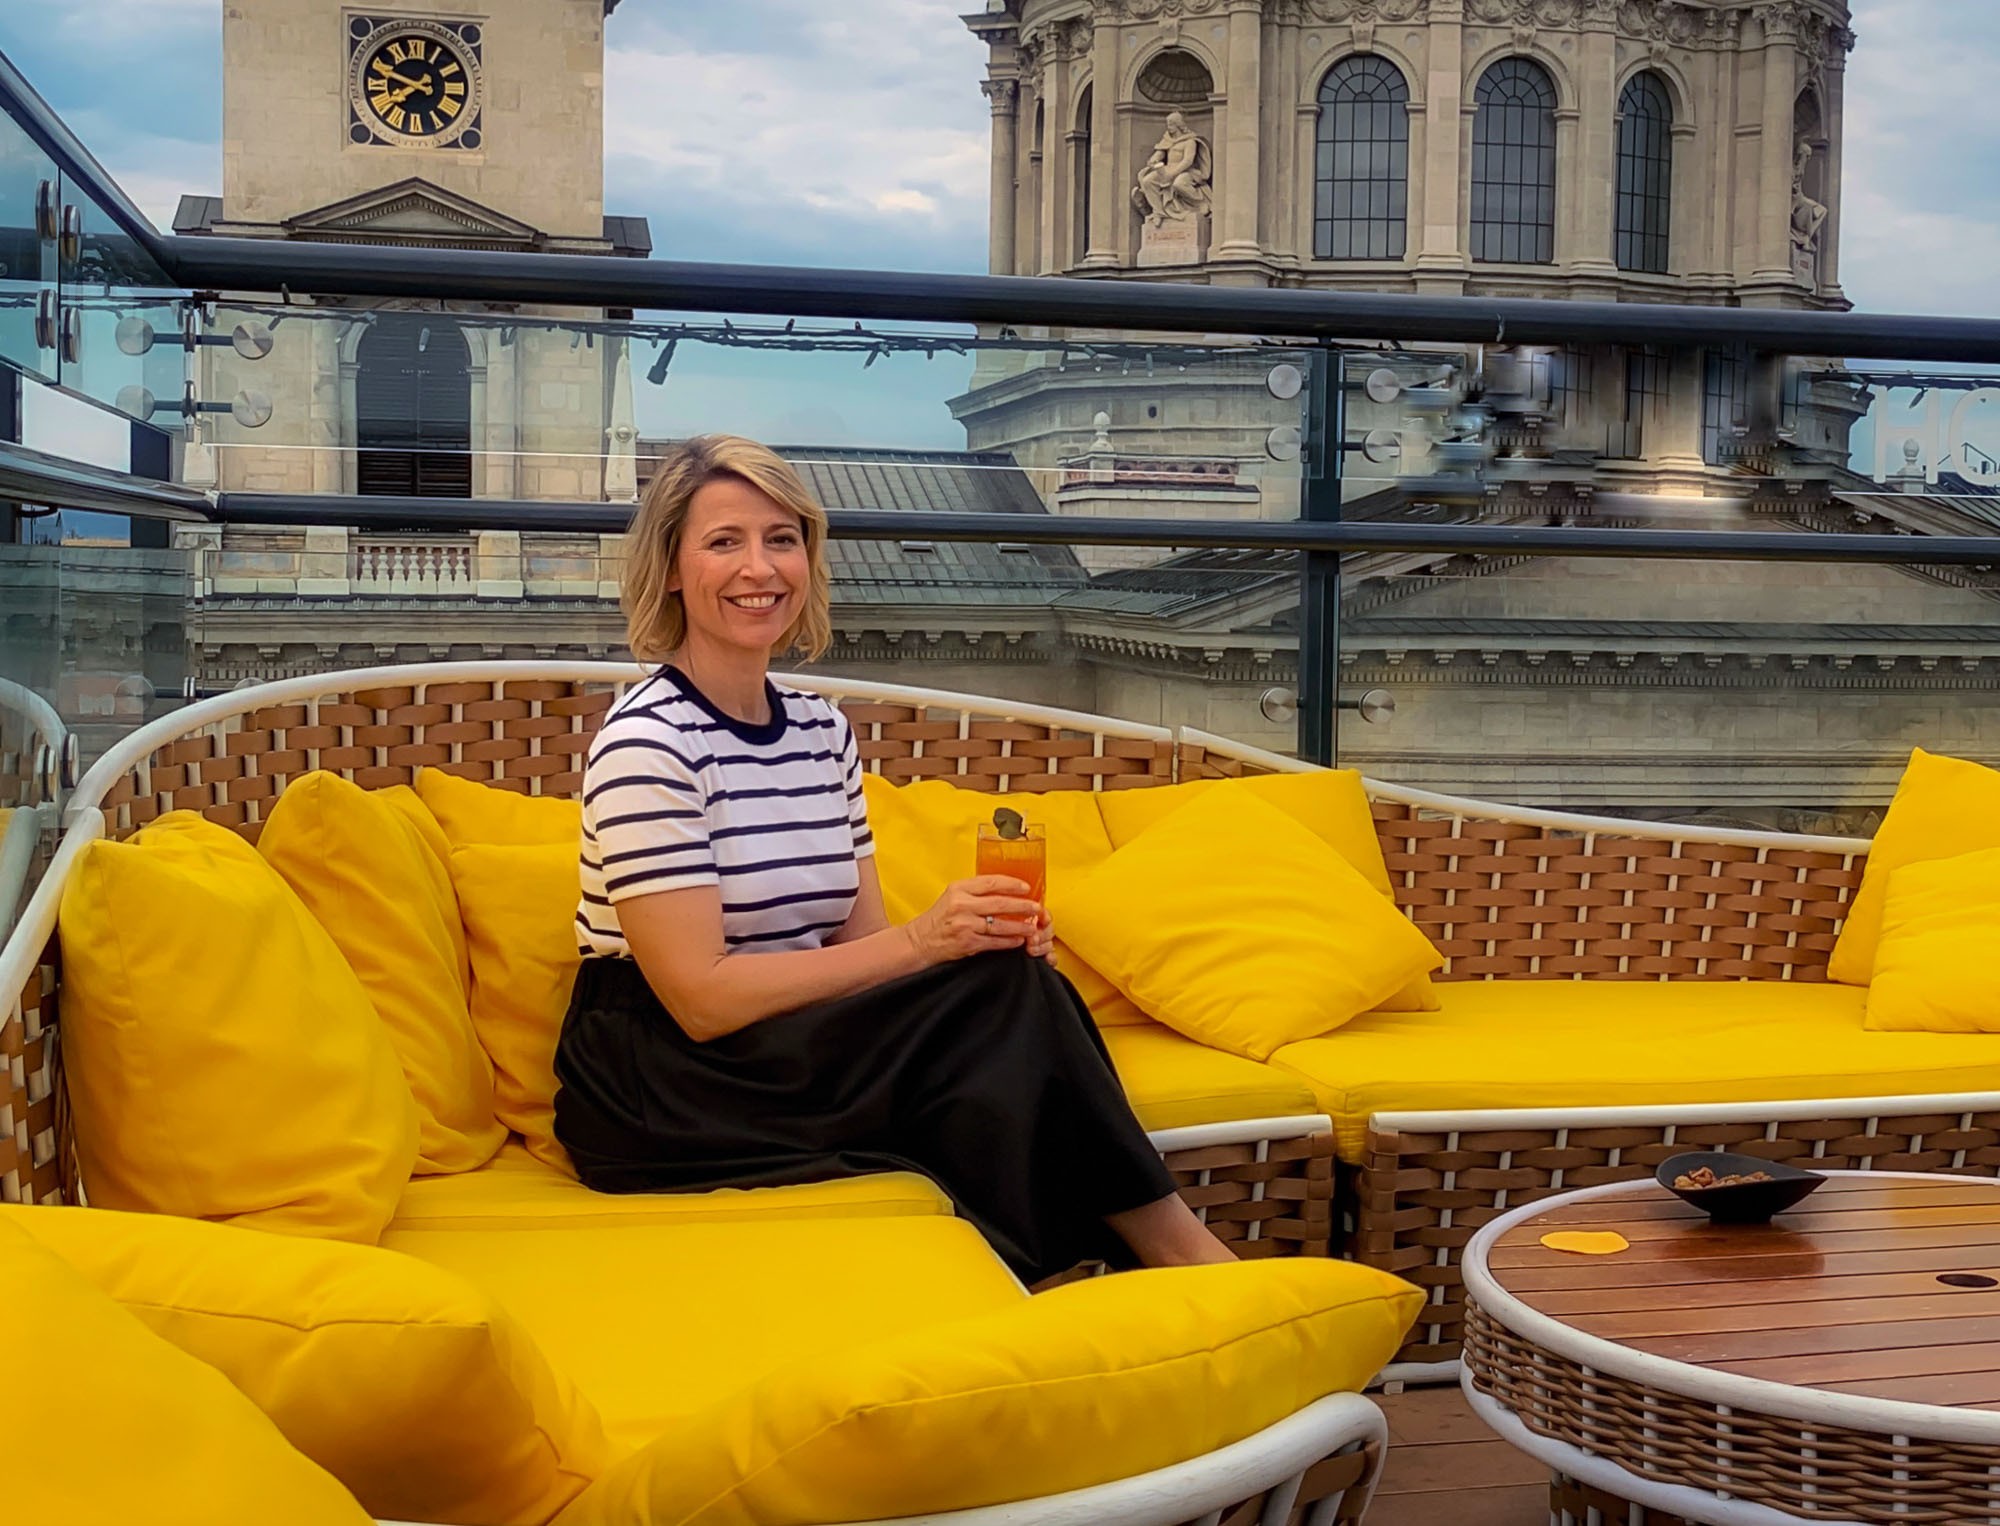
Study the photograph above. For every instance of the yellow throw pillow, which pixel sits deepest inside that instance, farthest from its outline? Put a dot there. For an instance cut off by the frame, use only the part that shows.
(1943, 807)
(519, 904)
(1094, 1381)
(471, 812)
(361, 864)
(223, 1060)
(407, 1383)
(1936, 969)
(924, 836)
(1231, 924)
(128, 1429)
(1331, 801)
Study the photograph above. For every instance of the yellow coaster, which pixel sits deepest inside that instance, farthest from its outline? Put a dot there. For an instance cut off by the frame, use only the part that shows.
(1586, 1242)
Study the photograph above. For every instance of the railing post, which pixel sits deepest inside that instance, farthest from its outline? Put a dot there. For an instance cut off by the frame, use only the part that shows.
(1319, 579)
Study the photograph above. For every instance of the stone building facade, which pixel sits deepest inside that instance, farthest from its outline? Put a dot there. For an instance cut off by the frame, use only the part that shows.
(1596, 150)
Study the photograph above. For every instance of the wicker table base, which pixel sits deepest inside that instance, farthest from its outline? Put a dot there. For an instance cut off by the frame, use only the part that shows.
(1840, 1365)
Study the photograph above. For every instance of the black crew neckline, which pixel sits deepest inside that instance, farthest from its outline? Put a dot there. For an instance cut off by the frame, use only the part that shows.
(743, 730)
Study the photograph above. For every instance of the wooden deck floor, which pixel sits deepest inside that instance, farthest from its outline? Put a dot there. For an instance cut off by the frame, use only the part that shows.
(1447, 1469)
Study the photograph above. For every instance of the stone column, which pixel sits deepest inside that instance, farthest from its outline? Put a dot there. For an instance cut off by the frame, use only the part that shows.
(1004, 96)
(1107, 192)
(1592, 251)
(1838, 42)
(1774, 151)
(1058, 105)
(1238, 152)
(1439, 240)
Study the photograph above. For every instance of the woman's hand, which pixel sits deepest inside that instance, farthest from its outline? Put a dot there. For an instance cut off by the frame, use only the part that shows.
(1042, 941)
(978, 916)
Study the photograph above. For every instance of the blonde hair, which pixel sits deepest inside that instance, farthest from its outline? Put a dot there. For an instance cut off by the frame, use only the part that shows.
(655, 617)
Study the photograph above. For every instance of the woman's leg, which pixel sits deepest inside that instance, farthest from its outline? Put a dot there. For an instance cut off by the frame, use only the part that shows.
(1166, 1233)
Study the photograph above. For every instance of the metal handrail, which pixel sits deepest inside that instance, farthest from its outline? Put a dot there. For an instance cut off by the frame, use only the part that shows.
(34, 477)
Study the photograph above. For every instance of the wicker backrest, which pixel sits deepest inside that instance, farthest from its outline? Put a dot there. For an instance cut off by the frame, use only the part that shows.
(533, 735)
(1507, 893)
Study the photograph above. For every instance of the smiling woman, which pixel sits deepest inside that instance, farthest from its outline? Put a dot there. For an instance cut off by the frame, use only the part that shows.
(745, 1014)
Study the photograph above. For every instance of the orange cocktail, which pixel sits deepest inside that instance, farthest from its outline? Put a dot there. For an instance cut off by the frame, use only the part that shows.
(1025, 857)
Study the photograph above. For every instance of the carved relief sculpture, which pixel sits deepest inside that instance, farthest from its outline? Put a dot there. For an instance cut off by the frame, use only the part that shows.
(1175, 182)
(1808, 218)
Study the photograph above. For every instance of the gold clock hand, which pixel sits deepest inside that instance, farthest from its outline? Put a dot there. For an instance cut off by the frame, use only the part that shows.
(404, 79)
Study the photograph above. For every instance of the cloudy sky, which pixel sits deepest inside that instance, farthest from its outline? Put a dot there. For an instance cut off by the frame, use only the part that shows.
(802, 132)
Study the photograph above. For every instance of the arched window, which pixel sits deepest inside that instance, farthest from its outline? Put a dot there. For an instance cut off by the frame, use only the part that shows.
(413, 408)
(1645, 173)
(1514, 164)
(1080, 178)
(1361, 179)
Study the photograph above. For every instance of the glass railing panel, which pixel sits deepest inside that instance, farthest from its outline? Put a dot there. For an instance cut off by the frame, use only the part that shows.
(124, 344)
(1760, 694)
(28, 197)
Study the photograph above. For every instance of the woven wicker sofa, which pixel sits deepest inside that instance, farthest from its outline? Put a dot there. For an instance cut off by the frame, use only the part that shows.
(1572, 904)
(1266, 1183)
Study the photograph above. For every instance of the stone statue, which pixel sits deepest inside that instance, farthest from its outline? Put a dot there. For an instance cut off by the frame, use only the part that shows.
(1808, 216)
(1174, 183)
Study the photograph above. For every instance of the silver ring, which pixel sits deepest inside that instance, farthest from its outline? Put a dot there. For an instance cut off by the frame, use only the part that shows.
(989, 924)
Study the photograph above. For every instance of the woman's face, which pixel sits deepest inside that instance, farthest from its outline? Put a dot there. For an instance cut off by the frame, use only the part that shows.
(742, 570)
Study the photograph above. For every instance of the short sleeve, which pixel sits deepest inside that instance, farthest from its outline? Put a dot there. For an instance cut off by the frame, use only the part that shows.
(645, 809)
(857, 802)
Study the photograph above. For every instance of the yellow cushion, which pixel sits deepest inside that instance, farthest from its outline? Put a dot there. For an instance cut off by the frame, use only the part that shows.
(1608, 1043)
(406, 1383)
(516, 1191)
(654, 1322)
(924, 836)
(470, 812)
(1173, 1082)
(1330, 801)
(1233, 926)
(1937, 968)
(1092, 1382)
(223, 1061)
(519, 905)
(127, 1429)
(1943, 807)
(361, 863)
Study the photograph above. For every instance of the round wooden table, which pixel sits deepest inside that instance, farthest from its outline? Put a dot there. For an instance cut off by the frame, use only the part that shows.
(1839, 1364)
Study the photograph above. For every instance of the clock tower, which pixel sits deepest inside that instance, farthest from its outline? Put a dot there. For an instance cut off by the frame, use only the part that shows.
(467, 124)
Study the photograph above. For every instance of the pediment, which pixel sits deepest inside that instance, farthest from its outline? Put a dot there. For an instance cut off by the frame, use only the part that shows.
(416, 210)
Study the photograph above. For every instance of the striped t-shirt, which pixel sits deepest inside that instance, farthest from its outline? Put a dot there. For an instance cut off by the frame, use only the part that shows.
(678, 794)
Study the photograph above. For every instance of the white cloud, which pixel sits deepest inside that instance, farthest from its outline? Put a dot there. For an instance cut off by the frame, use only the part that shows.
(1920, 213)
(873, 112)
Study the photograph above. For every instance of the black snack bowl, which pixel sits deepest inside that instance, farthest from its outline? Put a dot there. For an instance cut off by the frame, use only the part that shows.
(1746, 1202)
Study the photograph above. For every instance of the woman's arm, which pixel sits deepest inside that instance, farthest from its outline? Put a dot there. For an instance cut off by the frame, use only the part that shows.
(869, 914)
(676, 936)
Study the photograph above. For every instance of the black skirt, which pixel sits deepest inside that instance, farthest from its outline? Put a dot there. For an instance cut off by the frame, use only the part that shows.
(986, 1075)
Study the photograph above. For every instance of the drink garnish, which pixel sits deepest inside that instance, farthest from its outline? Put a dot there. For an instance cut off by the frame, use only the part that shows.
(1009, 824)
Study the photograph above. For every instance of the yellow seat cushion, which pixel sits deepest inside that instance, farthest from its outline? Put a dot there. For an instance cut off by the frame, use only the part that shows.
(924, 837)
(653, 1322)
(1233, 925)
(1937, 968)
(516, 1191)
(1331, 802)
(1173, 1082)
(470, 812)
(1943, 807)
(1610, 1043)
(223, 1060)
(361, 864)
(406, 1383)
(519, 903)
(1095, 1381)
(128, 1429)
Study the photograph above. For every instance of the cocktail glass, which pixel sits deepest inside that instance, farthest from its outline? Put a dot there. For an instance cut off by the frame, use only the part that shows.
(1024, 858)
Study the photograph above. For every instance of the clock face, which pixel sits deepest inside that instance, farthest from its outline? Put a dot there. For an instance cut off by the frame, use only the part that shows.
(414, 84)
